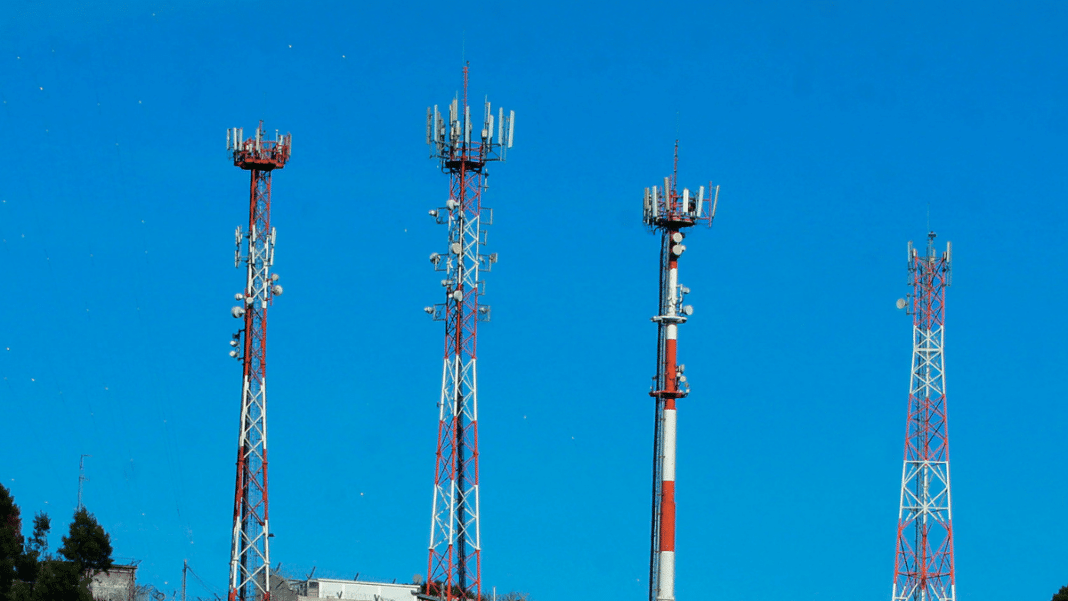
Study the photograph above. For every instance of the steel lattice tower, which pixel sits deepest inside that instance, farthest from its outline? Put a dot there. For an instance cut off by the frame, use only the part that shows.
(250, 557)
(454, 565)
(669, 212)
(923, 567)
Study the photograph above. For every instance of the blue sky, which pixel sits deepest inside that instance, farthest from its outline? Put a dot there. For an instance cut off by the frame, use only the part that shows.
(833, 129)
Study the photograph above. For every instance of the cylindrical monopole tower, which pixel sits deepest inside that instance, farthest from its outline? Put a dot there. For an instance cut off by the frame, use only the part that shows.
(250, 557)
(923, 566)
(670, 211)
(463, 147)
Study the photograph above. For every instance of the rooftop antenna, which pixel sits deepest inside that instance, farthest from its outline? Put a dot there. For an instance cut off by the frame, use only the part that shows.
(81, 479)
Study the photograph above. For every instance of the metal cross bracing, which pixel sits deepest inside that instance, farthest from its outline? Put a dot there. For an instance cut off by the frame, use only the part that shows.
(250, 557)
(923, 566)
(454, 564)
(669, 211)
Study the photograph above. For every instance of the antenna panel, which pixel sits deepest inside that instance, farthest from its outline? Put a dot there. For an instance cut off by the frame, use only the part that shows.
(511, 127)
(467, 124)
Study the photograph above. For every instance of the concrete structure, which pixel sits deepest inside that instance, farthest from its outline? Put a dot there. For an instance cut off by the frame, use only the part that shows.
(328, 588)
(117, 584)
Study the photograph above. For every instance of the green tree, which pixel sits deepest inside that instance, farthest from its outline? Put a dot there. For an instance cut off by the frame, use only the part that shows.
(86, 550)
(57, 581)
(39, 540)
(11, 551)
(29, 573)
(35, 551)
(87, 546)
(1062, 595)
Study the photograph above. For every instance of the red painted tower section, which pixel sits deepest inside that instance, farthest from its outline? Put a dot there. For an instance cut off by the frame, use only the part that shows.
(250, 557)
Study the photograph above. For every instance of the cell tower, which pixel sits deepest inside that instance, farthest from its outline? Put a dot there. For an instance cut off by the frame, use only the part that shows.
(454, 566)
(923, 567)
(669, 212)
(250, 557)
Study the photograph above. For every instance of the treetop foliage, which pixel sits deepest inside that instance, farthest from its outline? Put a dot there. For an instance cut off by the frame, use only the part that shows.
(88, 546)
(39, 540)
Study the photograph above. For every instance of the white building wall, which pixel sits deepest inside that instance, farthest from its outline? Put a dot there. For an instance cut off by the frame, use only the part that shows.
(362, 591)
(117, 584)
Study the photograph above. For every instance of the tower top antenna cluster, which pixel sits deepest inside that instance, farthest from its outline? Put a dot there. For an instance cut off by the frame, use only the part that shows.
(256, 152)
(460, 140)
(670, 209)
(931, 255)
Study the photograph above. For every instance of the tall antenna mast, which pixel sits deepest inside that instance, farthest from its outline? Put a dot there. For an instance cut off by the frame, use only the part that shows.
(82, 479)
(463, 147)
(669, 211)
(250, 557)
(923, 566)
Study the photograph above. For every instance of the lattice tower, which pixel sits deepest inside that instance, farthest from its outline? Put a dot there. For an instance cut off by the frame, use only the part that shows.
(463, 148)
(923, 567)
(250, 557)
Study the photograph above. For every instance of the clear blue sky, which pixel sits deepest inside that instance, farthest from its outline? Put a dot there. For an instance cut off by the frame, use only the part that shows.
(832, 127)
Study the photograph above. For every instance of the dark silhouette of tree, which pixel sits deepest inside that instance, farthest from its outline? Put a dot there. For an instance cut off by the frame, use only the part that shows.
(87, 546)
(57, 581)
(1062, 595)
(39, 541)
(86, 551)
(35, 551)
(11, 551)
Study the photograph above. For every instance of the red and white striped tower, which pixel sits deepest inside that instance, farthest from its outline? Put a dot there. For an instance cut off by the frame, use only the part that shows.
(463, 147)
(250, 557)
(923, 566)
(669, 211)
